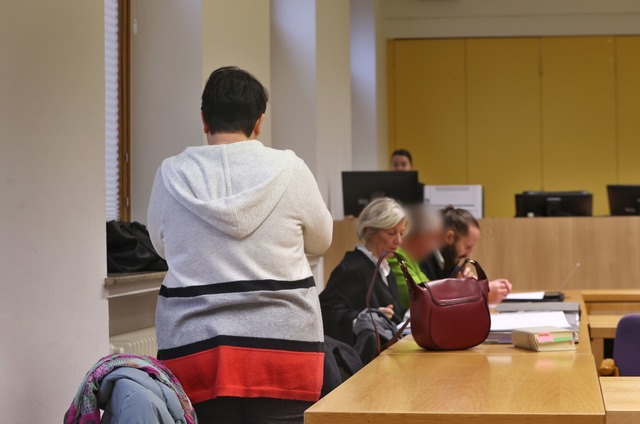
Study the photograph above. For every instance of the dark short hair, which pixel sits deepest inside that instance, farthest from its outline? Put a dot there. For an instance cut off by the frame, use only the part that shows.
(232, 101)
(403, 152)
(458, 220)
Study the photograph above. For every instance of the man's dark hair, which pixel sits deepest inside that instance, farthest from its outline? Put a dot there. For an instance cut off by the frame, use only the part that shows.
(403, 152)
(232, 101)
(458, 220)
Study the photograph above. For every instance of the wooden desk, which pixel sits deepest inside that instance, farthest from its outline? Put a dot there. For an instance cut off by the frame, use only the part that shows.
(605, 308)
(620, 295)
(538, 253)
(464, 387)
(483, 385)
(612, 302)
(602, 327)
(621, 399)
(344, 240)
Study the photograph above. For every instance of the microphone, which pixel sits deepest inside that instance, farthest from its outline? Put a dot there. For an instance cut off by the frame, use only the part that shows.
(568, 277)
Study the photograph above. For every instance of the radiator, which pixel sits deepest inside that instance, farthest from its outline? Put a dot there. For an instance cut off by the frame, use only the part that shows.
(140, 342)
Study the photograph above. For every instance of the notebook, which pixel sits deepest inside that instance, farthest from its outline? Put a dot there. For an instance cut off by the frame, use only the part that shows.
(543, 339)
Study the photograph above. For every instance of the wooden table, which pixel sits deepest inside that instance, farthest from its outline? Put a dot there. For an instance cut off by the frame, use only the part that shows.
(611, 302)
(601, 327)
(604, 309)
(609, 295)
(464, 387)
(621, 399)
(483, 385)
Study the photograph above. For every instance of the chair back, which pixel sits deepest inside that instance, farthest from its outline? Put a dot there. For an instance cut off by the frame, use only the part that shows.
(626, 348)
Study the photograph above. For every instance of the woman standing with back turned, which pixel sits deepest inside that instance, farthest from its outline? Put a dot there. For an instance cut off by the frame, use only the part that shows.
(238, 318)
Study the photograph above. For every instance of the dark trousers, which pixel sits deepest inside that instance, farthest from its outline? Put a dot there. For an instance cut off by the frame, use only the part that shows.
(234, 410)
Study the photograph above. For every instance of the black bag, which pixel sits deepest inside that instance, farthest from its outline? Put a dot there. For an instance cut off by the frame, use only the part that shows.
(129, 249)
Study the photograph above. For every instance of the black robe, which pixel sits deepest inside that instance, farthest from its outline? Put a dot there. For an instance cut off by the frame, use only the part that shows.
(345, 295)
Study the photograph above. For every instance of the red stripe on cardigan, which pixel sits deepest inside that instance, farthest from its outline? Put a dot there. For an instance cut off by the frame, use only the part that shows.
(249, 373)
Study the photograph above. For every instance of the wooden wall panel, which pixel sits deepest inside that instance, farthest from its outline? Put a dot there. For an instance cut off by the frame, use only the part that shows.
(539, 253)
(578, 115)
(467, 110)
(504, 128)
(628, 97)
(428, 94)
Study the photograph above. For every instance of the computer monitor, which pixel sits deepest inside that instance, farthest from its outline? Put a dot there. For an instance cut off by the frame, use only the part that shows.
(361, 187)
(624, 199)
(560, 203)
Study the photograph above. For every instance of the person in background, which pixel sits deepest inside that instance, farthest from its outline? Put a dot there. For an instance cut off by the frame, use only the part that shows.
(238, 318)
(461, 233)
(401, 160)
(421, 241)
(381, 226)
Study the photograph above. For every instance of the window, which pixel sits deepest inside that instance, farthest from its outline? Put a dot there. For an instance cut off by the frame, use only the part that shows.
(116, 59)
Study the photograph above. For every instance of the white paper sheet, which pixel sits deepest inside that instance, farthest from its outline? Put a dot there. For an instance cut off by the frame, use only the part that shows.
(507, 321)
(526, 296)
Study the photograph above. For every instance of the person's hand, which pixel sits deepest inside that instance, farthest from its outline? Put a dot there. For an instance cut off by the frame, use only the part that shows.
(498, 290)
(467, 273)
(387, 311)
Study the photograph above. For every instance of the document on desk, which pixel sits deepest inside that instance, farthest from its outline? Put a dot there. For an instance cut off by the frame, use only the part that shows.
(510, 320)
(539, 295)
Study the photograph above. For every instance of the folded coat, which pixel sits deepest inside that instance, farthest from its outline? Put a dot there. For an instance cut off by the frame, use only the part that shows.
(131, 396)
(91, 395)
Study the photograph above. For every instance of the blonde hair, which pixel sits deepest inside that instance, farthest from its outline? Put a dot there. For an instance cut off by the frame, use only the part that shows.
(380, 214)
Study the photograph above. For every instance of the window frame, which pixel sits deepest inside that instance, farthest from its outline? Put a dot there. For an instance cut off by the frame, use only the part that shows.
(124, 101)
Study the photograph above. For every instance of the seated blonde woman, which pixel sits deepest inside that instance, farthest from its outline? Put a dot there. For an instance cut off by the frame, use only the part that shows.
(381, 227)
(421, 241)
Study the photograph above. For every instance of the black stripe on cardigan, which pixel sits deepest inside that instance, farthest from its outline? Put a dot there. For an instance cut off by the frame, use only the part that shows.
(237, 341)
(236, 287)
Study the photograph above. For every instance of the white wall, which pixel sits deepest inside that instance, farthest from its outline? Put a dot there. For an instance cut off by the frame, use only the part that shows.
(311, 102)
(363, 84)
(177, 46)
(293, 67)
(53, 315)
(236, 32)
(333, 99)
(368, 86)
(166, 85)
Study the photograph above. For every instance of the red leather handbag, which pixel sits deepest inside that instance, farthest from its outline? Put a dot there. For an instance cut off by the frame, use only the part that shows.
(449, 314)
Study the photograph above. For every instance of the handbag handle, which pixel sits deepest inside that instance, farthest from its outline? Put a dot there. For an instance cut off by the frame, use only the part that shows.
(463, 264)
(411, 284)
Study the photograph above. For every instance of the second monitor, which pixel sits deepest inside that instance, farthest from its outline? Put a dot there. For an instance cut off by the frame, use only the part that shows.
(624, 199)
(559, 203)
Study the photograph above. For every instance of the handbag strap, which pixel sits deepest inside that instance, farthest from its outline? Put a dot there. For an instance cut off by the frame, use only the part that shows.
(410, 283)
(464, 263)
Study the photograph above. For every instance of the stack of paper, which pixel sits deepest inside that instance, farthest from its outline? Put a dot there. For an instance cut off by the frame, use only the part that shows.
(509, 321)
(539, 295)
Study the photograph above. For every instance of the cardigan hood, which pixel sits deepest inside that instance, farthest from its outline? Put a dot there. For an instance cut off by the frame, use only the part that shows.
(236, 206)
